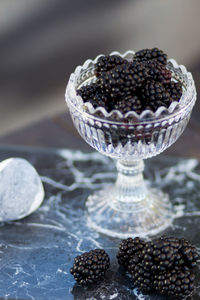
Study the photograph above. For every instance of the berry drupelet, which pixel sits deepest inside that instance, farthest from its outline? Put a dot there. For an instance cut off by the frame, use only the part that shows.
(90, 267)
(151, 54)
(108, 62)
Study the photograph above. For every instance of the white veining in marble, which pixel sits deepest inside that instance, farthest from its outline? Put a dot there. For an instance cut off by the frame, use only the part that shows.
(36, 253)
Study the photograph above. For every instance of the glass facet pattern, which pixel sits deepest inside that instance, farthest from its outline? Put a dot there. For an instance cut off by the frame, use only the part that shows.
(129, 206)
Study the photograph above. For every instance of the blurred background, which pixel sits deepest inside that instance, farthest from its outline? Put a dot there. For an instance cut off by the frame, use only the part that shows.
(41, 42)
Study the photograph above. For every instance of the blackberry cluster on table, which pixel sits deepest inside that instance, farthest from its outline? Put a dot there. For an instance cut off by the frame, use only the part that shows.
(90, 267)
(163, 265)
(143, 83)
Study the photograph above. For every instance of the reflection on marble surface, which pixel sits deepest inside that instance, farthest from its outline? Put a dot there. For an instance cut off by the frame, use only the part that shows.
(37, 252)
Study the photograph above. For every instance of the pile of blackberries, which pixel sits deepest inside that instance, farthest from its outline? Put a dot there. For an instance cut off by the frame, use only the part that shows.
(163, 266)
(137, 85)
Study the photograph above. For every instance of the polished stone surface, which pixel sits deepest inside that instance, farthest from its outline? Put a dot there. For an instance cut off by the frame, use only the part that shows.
(37, 252)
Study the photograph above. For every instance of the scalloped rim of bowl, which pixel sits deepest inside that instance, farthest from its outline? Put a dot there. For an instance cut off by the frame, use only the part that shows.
(147, 116)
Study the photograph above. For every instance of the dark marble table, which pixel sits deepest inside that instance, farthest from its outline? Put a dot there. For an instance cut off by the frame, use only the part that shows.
(37, 252)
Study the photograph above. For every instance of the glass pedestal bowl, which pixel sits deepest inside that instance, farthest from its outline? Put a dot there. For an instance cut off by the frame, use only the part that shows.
(130, 207)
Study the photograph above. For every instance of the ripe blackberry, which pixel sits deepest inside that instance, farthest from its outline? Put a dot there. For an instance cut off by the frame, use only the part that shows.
(162, 265)
(88, 92)
(128, 103)
(158, 72)
(108, 62)
(91, 266)
(176, 282)
(128, 249)
(123, 79)
(151, 54)
(142, 278)
(159, 255)
(100, 99)
(186, 254)
(154, 95)
(175, 90)
(92, 94)
(119, 81)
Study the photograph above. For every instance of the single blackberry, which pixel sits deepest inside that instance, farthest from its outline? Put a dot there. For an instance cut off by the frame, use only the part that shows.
(108, 62)
(155, 95)
(142, 279)
(91, 266)
(129, 248)
(92, 94)
(88, 92)
(175, 90)
(128, 103)
(151, 54)
(158, 72)
(122, 80)
(176, 282)
(186, 254)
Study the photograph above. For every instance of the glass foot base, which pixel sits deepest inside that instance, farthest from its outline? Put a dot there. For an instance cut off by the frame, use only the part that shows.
(110, 216)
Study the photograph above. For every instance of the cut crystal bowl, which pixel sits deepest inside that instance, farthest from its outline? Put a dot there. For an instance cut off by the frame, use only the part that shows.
(130, 207)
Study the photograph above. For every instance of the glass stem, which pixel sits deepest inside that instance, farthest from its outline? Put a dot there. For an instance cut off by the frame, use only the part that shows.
(130, 185)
